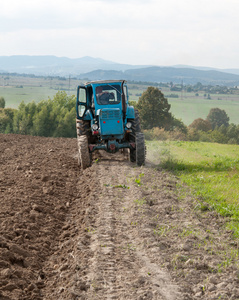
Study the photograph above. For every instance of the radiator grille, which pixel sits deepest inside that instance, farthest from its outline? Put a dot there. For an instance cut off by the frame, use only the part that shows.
(110, 114)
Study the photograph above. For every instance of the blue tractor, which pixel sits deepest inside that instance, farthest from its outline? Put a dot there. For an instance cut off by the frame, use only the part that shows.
(105, 121)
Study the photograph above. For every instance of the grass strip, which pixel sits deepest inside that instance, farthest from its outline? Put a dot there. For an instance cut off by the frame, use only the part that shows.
(211, 170)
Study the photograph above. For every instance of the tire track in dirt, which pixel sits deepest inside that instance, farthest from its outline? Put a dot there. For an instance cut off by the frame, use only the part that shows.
(118, 268)
(149, 242)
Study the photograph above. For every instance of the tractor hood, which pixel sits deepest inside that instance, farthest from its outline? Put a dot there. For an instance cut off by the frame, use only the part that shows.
(110, 123)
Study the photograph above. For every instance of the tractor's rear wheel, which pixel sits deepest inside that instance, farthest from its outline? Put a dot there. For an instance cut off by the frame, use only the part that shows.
(84, 158)
(132, 155)
(140, 149)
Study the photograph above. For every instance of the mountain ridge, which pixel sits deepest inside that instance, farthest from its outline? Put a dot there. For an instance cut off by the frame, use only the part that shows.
(98, 68)
(53, 65)
(167, 74)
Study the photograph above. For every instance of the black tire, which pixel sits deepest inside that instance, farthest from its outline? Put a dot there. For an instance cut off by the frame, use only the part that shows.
(132, 155)
(135, 129)
(84, 154)
(82, 127)
(140, 149)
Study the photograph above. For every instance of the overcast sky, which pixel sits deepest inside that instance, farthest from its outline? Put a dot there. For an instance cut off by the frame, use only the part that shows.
(148, 32)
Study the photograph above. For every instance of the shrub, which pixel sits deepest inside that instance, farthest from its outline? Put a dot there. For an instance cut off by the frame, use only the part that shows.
(177, 135)
(193, 134)
(156, 134)
(163, 135)
(232, 141)
(205, 137)
(200, 124)
(218, 137)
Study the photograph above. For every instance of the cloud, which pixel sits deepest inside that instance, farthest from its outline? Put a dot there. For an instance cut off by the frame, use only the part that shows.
(132, 31)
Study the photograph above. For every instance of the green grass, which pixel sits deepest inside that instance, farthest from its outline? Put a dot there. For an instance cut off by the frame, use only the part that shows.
(212, 170)
(192, 108)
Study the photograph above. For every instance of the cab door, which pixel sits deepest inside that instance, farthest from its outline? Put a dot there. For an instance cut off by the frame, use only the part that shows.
(81, 102)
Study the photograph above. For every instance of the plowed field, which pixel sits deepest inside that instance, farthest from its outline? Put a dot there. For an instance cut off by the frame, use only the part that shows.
(113, 231)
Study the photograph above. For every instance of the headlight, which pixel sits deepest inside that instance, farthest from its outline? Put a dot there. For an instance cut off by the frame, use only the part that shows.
(128, 125)
(94, 127)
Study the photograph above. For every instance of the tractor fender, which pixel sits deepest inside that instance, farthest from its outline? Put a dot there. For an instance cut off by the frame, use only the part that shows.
(88, 115)
(130, 112)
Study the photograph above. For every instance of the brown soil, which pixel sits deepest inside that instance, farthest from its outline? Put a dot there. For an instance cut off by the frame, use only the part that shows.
(113, 231)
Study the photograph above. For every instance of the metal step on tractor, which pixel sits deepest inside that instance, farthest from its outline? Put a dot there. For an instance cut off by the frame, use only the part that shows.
(106, 121)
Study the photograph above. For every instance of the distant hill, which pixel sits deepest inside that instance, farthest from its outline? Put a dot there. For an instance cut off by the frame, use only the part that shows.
(59, 66)
(168, 74)
(97, 68)
(232, 71)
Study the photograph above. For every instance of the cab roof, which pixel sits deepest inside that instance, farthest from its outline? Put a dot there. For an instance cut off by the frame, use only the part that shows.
(105, 81)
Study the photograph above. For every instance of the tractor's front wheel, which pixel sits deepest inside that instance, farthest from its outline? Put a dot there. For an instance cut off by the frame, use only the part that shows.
(84, 155)
(140, 149)
(82, 127)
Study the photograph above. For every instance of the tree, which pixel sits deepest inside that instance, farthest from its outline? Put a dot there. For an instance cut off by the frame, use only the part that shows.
(23, 118)
(154, 109)
(198, 86)
(3, 120)
(42, 124)
(178, 124)
(200, 124)
(223, 129)
(233, 133)
(66, 125)
(218, 137)
(218, 117)
(2, 102)
(6, 120)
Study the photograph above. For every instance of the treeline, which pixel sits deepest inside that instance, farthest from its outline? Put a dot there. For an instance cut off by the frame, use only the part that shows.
(159, 123)
(53, 117)
(56, 118)
(199, 87)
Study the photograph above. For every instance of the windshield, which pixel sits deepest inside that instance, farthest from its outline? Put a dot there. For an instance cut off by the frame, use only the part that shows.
(108, 94)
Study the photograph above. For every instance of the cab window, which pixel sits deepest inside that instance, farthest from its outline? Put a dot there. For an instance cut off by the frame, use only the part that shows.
(108, 94)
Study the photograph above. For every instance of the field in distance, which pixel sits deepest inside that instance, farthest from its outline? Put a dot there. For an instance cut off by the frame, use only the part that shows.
(189, 106)
(184, 105)
(16, 89)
